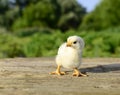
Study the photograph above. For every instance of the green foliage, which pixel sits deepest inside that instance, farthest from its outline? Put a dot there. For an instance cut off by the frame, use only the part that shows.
(52, 14)
(10, 46)
(10, 17)
(3, 9)
(39, 25)
(104, 16)
(41, 43)
(63, 15)
(72, 14)
(3, 6)
(10, 10)
(40, 14)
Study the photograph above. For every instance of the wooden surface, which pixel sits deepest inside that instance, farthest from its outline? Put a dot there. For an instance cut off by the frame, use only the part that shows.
(29, 76)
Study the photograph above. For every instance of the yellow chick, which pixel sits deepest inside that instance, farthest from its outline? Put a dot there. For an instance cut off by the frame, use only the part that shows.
(70, 56)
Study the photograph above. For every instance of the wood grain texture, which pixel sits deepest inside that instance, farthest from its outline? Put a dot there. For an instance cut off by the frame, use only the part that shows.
(30, 76)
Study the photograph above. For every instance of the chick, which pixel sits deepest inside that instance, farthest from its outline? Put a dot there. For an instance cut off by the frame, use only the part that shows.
(70, 55)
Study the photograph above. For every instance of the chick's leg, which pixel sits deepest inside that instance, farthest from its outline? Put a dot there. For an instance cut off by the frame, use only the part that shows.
(78, 73)
(58, 72)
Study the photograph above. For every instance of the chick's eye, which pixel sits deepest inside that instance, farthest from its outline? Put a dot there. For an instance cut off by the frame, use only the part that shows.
(75, 42)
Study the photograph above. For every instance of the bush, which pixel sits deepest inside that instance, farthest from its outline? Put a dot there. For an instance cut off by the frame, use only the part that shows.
(97, 44)
(43, 45)
(10, 46)
(31, 31)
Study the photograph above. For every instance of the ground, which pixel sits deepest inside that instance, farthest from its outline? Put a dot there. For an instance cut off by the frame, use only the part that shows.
(30, 76)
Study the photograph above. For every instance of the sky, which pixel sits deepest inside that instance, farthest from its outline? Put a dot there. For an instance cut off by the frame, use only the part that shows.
(89, 4)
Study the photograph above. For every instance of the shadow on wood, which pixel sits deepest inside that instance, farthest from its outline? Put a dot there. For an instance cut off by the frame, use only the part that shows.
(102, 68)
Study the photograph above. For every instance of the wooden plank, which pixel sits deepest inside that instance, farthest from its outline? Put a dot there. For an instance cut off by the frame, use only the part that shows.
(29, 76)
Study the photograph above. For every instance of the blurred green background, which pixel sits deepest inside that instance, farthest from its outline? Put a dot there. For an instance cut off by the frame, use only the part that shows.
(36, 28)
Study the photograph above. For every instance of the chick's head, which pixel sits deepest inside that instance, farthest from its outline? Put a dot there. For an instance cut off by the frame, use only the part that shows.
(75, 42)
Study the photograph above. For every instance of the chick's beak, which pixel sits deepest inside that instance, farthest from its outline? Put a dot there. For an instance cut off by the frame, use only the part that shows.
(69, 44)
